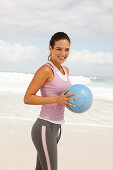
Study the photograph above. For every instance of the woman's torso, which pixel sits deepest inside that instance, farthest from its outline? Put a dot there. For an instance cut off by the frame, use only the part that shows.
(54, 86)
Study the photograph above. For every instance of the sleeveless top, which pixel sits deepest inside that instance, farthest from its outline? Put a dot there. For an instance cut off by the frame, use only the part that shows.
(54, 112)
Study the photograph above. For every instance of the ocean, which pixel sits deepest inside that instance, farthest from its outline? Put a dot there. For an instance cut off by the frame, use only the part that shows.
(13, 87)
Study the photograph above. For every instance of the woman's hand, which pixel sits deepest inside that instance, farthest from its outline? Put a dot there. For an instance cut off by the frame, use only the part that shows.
(63, 99)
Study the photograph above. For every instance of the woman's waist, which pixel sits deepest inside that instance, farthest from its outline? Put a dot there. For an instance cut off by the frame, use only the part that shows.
(53, 106)
(47, 123)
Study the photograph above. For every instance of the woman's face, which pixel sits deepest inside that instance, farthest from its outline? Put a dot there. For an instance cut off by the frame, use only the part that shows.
(60, 50)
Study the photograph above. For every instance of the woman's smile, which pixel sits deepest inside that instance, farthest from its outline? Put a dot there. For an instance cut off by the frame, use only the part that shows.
(62, 58)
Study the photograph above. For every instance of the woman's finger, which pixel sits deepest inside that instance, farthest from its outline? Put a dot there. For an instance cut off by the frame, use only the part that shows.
(70, 94)
(68, 108)
(71, 99)
(65, 91)
(70, 104)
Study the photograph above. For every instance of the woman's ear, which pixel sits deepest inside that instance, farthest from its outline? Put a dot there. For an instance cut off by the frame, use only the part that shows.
(50, 48)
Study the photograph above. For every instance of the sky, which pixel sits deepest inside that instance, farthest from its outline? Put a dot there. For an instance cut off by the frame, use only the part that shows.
(26, 27)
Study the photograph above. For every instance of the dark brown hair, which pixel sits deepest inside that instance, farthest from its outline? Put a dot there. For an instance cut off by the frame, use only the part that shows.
(56, 37)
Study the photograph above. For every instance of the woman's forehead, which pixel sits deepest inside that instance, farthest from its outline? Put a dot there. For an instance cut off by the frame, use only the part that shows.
(62, 43)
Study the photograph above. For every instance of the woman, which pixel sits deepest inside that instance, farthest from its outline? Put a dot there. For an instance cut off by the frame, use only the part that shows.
(53, 81)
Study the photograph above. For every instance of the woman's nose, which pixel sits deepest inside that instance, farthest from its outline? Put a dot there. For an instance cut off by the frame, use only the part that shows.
(63, 53)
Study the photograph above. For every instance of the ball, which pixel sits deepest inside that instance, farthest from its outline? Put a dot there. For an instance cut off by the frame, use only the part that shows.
(84, 98)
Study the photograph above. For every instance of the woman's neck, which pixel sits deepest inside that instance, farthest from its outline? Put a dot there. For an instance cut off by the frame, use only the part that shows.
(56, 63)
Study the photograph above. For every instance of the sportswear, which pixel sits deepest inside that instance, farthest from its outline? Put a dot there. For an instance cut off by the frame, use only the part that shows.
(54, 112)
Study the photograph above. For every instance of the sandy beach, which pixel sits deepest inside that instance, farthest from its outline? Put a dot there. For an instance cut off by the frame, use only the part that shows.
(80, 147)
(76, 38)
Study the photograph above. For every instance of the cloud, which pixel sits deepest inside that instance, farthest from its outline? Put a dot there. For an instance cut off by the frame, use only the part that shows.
(19, 53)
(79, 18)
(86, 57)
(16, 52)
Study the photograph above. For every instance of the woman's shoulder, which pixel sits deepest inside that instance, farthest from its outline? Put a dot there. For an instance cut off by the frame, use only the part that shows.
(44, 69)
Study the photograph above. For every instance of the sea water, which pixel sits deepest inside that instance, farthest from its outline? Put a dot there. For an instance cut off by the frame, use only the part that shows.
(13, 87)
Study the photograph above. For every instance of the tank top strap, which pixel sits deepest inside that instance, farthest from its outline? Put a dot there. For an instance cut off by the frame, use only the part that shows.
(51, 67)
(65, 71)
(55, 71)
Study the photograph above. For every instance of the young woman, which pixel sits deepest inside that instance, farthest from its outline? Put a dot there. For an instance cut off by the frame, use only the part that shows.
(52, 79)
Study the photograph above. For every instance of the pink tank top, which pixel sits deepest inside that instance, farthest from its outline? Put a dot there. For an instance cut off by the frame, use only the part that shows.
(54, 111)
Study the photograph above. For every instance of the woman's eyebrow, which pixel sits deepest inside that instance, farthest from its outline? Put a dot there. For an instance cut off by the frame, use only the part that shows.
(60, 47)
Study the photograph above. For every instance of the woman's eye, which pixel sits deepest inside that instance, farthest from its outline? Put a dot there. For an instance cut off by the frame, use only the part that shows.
(67, 50)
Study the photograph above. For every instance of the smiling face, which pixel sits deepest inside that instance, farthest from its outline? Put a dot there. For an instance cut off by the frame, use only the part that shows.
(60, 51)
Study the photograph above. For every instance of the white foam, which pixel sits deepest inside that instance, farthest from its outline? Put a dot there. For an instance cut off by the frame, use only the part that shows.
(17, 118)
(18, 82)
(89, 124)
(80, 79)
(66, 123)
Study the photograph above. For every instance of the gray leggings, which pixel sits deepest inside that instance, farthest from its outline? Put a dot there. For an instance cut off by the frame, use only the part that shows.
(45, 136)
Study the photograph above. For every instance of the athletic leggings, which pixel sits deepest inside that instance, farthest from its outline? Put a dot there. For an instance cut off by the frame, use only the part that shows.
(45, 136)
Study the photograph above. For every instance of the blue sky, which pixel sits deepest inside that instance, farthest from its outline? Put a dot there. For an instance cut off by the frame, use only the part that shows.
(26, 27)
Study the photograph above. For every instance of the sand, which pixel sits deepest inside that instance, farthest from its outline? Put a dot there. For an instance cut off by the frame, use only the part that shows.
(80, 147)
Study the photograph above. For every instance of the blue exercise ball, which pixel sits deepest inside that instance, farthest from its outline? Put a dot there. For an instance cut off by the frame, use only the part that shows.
(84, 98)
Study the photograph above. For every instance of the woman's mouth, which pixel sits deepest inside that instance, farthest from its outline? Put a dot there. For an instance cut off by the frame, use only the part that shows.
(62, 58)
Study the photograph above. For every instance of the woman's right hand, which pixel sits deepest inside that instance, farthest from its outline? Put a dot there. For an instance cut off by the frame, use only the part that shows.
(63, 99)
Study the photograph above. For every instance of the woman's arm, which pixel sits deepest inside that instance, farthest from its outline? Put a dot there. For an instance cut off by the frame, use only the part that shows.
(40, 77)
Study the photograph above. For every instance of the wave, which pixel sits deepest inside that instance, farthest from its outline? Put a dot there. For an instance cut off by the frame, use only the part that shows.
(89, 124)
(102, 88)
(17, 118)
(17, 83)
(66, 123)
